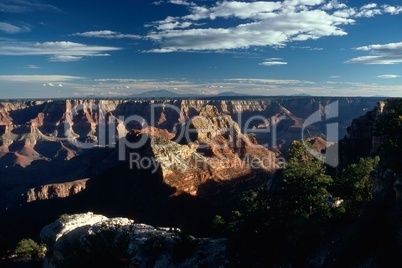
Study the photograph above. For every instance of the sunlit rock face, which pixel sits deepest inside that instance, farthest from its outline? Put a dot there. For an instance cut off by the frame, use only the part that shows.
(212, 147)
(122, 241)
(57, 190)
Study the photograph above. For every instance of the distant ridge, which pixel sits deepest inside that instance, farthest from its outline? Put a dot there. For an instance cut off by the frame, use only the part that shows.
(230, 94)
(380, 96)
(161, 93)
(301, 95)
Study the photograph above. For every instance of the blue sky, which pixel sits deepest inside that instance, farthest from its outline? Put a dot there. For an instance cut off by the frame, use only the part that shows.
(77, 48)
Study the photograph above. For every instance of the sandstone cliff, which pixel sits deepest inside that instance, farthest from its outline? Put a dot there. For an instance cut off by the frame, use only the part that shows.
(58, 190)
(213, 148)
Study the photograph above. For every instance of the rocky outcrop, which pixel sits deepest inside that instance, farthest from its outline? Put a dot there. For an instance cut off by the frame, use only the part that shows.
(211, 148)
(90, 239)
(319, 144)
(378, 231)
(182, 166)
(153, 131)
(363, 140)
(58, 190)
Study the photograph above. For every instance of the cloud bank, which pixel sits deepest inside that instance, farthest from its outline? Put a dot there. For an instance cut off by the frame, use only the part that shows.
(380, 54)
(13, 29)
(259, 23)
(38, 78)
(107, 34)
(63, 51)
(273, 61)
(388, 76)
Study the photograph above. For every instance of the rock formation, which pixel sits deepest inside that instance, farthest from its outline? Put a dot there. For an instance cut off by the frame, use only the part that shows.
(91, 239)
(57, 190)
(212, 148)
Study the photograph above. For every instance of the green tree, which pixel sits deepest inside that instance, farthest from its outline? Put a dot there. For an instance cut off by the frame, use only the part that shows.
(355, 186)
(304, 190)
(289, 220)
(27, 248)
(219, 225)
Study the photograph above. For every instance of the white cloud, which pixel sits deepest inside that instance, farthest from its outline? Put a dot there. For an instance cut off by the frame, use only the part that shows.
(303, 2)
(171, 23)
(308, 48)
(386, 47)
(388, 76)
(13, 29)
(225, 9)
(392, 10)
(268, 81)
(243, 36)
(38, 78)
(380, 54)
(25, 6)
(175, 2)
(276, 31)
(63, 51)
(122, 80)
(52, 85)
(369, 10)
(180, 2)
(369, 6)
(273, 61)
(65, 58)
(334, 4)
(107, 34)
(30, 66)
(345, 13)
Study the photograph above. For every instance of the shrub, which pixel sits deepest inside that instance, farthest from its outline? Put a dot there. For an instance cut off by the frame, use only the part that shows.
(27, 248)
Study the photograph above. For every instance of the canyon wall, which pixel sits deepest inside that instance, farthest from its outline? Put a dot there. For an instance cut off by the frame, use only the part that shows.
(83, 120)
(51, 142)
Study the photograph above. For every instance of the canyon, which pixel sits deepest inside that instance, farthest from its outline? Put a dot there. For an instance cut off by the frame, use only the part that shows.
(195, 158)
(51, 142)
